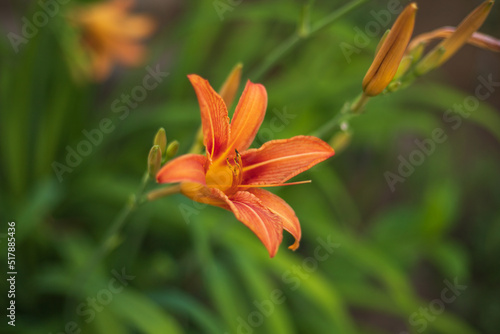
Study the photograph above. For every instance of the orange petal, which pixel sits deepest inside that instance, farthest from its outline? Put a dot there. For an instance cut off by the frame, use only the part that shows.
(132, 27)
(277, 205)
(248, 116)
(387, 60)
(102, 65)
(249, 210)
(230, 86)
(137, 26)
(127, 53)
(279, 160)
(203, 194)
(186, 168)
(122, 5)
(214, 119)
(447, 48)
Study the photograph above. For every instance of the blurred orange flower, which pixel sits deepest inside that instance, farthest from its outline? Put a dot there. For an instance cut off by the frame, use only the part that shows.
(111, 34)
(230, 175)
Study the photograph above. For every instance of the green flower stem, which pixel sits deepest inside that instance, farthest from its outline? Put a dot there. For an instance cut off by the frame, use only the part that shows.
(106, 245)
(348, 111)
(162, 192)
(298, 36)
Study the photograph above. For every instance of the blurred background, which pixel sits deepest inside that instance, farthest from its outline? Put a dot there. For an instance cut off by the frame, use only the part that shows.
(417, 256)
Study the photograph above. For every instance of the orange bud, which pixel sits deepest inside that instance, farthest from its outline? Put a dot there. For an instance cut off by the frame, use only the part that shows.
(447, 48)
(387, 60)
(230, 86)
(477, 39)
(382, 40)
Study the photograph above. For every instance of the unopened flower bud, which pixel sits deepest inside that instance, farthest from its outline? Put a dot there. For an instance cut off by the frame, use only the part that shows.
(394, 86)
(388, 58)
(416, 51)
(447, 48)
(404, 66)
(477, 39)
(161, 140)
(172, 149)
(382, 40)
(230, 86)
(154, 161)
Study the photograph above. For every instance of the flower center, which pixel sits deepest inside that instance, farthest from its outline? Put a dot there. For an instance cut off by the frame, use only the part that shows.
(225, 177)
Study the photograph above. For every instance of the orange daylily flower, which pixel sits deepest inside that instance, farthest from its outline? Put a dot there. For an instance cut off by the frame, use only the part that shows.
(111, 34)
(230, 175)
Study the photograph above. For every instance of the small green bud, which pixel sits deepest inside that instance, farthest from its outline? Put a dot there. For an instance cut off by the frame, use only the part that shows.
(172, 149)
(154, 161)
(161, 140)
(417, 52)
(394, 86)
(404, 66)
(431, 61)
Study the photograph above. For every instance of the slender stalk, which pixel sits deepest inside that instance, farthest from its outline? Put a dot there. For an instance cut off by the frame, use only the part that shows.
(359, 104)
(162, 192)
(328, 127)
(298, 36)
(348, 111)
(275, 55)
(107, 242)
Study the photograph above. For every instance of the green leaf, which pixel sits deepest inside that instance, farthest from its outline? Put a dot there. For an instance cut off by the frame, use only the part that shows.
(143, 314)
(183, 304)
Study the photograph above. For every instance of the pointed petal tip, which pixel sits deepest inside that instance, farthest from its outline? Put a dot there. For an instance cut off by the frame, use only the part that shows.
(194, 77)
(259, 85)
(248, 116)
(295, 245)
(284, 211)
(230, 86)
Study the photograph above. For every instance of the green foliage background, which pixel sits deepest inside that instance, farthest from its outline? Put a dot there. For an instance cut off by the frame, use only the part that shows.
(394, 250)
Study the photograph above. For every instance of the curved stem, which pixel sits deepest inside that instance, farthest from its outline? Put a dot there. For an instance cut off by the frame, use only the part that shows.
(113, 229)
(107, 242)
(298, 36)
(348, 111)
(162, 192)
